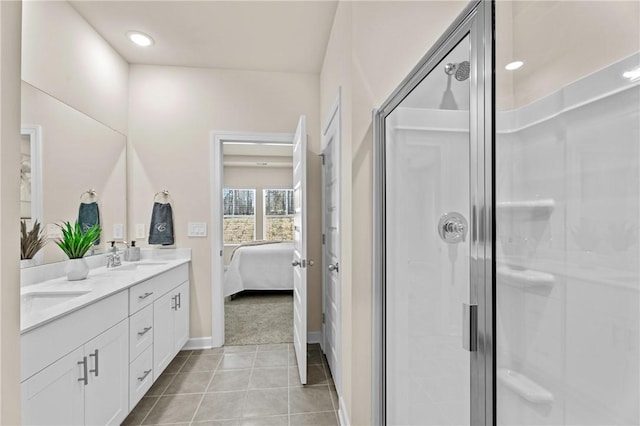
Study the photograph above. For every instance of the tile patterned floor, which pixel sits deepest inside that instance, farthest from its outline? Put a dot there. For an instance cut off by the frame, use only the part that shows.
(238, 386)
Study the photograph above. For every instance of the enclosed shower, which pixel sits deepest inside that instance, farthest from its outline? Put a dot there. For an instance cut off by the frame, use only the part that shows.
(507, 237)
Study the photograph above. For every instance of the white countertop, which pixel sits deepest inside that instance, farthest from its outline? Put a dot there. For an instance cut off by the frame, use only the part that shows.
(51, 299)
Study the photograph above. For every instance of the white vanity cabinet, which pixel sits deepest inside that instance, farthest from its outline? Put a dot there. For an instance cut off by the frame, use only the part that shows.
(170, 325)
(92, 366)
(85, 386)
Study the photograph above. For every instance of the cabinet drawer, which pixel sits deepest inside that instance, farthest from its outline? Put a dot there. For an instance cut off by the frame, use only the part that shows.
(140, 331)
(143, 294)
(140, 376)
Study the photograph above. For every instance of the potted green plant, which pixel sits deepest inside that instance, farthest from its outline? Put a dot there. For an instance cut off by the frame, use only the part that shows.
(30, 243)
(75, 243)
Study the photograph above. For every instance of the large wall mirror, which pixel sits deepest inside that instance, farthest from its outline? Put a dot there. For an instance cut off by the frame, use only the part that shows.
(66, 153)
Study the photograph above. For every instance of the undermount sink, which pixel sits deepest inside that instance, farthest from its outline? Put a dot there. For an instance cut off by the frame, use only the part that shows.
(39, 300)
(127, 267)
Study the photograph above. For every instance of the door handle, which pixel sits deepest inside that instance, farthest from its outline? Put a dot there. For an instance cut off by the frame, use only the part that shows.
(470, 327)
(95, 356)
(335, 267)
(295, 263)
(84, 379)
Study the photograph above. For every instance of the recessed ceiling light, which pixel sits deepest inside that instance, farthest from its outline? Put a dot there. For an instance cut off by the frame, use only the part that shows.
(141, 39)
(513, 65)
(633, 75)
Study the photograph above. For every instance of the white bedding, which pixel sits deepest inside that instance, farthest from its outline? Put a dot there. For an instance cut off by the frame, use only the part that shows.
(262, 267)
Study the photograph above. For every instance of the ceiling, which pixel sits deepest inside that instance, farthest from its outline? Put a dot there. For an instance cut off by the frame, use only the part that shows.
(287, 36)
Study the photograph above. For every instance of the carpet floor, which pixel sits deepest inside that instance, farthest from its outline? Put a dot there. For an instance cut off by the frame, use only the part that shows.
(259, 317)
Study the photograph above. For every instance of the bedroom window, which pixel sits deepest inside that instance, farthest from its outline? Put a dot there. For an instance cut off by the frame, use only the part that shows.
(239, 215)
(278, 214)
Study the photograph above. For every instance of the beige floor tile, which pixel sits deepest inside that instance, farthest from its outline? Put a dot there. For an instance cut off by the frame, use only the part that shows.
(310, 399)
(266, 402)
(210, 351)
(175, 365)
(235, 422)
(327, 418)
(314, 357)
(264, 378)
(273, 347)
(230, 380)
(236, 361)
(266, 421)
(221, 406)
(173, 409)
(294, 377)
(272, 359)
(160, 384)
(137, 415)
(316, 375)
(191, 382)
(201, 363)
(239, 348)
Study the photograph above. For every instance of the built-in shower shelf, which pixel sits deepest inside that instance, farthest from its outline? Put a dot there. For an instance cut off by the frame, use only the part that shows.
(524, 386)
(525, 277)
(526, 210)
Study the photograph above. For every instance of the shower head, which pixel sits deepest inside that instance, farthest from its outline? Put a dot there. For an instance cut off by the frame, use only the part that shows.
(461, 70)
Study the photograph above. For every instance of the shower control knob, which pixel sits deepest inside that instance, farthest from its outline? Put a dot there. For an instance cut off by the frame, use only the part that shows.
(452, 228)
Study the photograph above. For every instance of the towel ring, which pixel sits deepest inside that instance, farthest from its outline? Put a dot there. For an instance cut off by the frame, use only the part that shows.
(91, 193)
(164, 193)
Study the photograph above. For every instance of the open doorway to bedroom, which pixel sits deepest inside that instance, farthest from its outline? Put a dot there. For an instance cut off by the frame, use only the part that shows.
(258, 209)
(252, 272)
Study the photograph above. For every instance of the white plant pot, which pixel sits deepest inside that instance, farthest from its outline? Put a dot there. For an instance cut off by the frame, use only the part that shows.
(27, 263)
(77, 269)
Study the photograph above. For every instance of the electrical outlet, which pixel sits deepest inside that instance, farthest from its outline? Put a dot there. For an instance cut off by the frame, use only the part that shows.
(197, 229)
(140, 233)
(118, 231)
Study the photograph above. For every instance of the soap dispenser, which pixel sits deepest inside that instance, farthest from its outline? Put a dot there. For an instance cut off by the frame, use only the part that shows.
(132, 254)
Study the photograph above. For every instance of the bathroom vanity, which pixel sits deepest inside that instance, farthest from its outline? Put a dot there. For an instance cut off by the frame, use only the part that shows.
(92, 349)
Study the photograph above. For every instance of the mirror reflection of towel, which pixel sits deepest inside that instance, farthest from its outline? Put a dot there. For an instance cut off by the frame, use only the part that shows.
(88, 216)
(161, 229)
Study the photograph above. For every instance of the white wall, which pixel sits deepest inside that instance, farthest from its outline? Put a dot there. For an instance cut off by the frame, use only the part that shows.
(9, 213)
(172, 113)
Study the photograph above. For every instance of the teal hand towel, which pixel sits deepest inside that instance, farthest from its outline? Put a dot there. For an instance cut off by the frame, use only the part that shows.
(88, 216)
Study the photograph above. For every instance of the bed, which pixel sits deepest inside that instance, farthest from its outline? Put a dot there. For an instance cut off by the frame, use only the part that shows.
(260, 267)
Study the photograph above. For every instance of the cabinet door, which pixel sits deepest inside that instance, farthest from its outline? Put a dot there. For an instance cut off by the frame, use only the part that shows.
(55, 395)
(163, 340)
(181, 321)
(107, 394)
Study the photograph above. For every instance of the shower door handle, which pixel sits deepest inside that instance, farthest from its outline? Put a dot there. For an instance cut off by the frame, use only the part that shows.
(470, 327)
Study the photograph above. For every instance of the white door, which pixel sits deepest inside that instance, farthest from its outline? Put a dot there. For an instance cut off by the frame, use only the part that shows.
(55, 396)
(300, 247)
(107, 394)
(331, 247)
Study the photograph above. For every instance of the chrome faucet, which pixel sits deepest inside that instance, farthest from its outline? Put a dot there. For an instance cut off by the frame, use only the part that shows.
(114, 259)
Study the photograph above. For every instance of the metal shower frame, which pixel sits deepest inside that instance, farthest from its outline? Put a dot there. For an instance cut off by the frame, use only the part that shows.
(477, 21)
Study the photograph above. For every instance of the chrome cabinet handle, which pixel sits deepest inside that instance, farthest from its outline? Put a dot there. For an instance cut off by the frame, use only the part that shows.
(295, 263)
(95, 356)
(335, 267)
(144, 331)
(144, 296)
(179, 300)
(144, 376)
(84, 379)
(174, 303)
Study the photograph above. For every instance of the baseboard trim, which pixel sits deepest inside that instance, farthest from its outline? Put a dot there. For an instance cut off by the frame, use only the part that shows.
(198, 343)
(343, 417)
(314, 337)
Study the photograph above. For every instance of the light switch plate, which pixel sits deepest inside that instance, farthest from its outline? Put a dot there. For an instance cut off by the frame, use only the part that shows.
(197, 229)
(140, 233)
(118, 231)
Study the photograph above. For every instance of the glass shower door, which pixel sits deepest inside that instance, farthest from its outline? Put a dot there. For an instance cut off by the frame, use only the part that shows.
(427, 144)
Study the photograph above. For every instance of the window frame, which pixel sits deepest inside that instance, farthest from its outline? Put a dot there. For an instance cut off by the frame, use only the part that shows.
(264, 210)
(255, 216)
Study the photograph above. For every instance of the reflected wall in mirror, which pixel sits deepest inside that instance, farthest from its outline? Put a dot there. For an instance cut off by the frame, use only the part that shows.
(77, 105)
